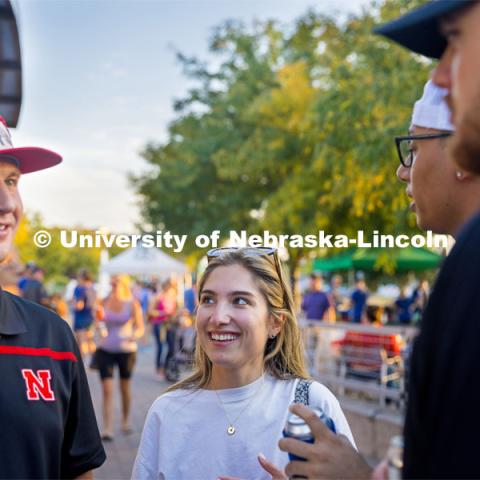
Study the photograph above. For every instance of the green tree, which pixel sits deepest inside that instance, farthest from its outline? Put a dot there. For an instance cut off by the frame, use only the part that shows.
(189, 190)
(59, 263)
(291, 131)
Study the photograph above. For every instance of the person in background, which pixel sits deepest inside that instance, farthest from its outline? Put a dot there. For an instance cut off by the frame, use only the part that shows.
(59, 306)
(336, 295)
(123, 319)
(34, 290)
(170, 297)
(316, 304)
(403, 306)
(190, 298)
(158, 318)
(26, 275)
(420, 300)
(180, 339)
(68, 296)
(141, 292)
(84, 300)
(170, 304)
(358, 301)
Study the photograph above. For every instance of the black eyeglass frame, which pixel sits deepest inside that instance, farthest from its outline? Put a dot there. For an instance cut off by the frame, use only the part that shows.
(409, 138)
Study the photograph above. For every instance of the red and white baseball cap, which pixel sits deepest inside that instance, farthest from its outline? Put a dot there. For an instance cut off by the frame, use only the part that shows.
(27, 159)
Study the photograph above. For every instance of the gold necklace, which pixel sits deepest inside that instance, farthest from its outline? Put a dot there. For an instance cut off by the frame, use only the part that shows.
(231, 428)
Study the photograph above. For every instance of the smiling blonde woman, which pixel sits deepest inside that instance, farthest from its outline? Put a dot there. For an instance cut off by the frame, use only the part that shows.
(249, 362)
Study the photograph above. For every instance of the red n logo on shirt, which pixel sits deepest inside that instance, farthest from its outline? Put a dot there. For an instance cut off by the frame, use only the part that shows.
(38, 385)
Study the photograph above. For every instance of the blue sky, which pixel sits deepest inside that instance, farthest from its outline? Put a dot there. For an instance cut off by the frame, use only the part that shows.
(99, 79)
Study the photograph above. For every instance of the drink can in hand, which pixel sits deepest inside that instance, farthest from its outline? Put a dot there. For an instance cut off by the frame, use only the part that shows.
(296, 427)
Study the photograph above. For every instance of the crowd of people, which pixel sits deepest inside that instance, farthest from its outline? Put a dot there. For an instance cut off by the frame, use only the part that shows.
(249, 361)
(336, 302)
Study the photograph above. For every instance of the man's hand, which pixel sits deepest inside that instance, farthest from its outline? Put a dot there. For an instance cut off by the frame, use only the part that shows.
(330, 457)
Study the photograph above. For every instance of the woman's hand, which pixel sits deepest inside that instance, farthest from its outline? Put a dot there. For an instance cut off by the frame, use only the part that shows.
(381, 471)
(269, 467)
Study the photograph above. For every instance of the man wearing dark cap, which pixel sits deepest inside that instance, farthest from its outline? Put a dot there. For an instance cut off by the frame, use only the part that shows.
(449, 31)
(458, 71)
(443, 417)
(48, 427)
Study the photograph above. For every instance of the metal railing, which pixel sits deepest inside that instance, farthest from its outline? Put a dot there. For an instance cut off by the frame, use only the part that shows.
(357, 359)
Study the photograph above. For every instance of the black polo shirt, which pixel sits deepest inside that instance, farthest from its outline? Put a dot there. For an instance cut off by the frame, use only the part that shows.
(47, 423)
(443, 415)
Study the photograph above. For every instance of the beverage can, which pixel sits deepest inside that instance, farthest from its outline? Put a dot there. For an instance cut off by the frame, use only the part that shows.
(296, 427)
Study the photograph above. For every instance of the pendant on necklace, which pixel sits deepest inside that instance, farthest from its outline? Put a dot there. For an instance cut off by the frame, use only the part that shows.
(231, 430)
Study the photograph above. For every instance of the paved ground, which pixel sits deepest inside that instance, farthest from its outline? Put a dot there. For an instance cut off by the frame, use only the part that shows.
(145, 389)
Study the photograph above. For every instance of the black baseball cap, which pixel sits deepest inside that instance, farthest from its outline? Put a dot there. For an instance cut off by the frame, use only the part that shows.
(418, 30)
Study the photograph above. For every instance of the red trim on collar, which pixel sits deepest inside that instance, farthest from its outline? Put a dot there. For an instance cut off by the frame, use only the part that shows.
(38, 352)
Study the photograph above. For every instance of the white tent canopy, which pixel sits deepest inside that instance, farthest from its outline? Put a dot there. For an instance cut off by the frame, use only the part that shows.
(140, 260)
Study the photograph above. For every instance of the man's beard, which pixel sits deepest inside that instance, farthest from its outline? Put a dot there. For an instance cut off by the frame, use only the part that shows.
(464, 146)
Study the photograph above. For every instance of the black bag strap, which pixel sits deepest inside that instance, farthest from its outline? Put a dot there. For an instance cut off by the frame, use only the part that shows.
(302, 391)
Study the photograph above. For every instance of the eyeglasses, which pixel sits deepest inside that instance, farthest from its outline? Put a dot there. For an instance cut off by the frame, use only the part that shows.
(248, 251)
(404, 146)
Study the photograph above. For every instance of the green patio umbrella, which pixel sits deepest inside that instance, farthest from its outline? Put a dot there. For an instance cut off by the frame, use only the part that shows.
(402, 259)
(342, 261)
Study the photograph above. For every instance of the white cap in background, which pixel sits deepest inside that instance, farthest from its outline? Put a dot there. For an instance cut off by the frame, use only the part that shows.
(431, 111)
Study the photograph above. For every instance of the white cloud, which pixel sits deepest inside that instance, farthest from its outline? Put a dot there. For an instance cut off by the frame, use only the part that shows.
(71, 196)
(107, 71)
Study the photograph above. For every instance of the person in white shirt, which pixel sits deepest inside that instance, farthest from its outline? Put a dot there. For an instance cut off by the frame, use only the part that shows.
(225, 420)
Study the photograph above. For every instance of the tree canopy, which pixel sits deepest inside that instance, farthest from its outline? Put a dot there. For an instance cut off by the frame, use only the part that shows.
(59, 263)
(290, 129)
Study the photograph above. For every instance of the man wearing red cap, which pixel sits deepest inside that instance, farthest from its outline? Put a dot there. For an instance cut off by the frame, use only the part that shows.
(443, 418)
(48, 427)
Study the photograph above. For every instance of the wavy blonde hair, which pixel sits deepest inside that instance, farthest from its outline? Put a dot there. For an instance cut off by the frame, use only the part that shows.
(284, 356)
